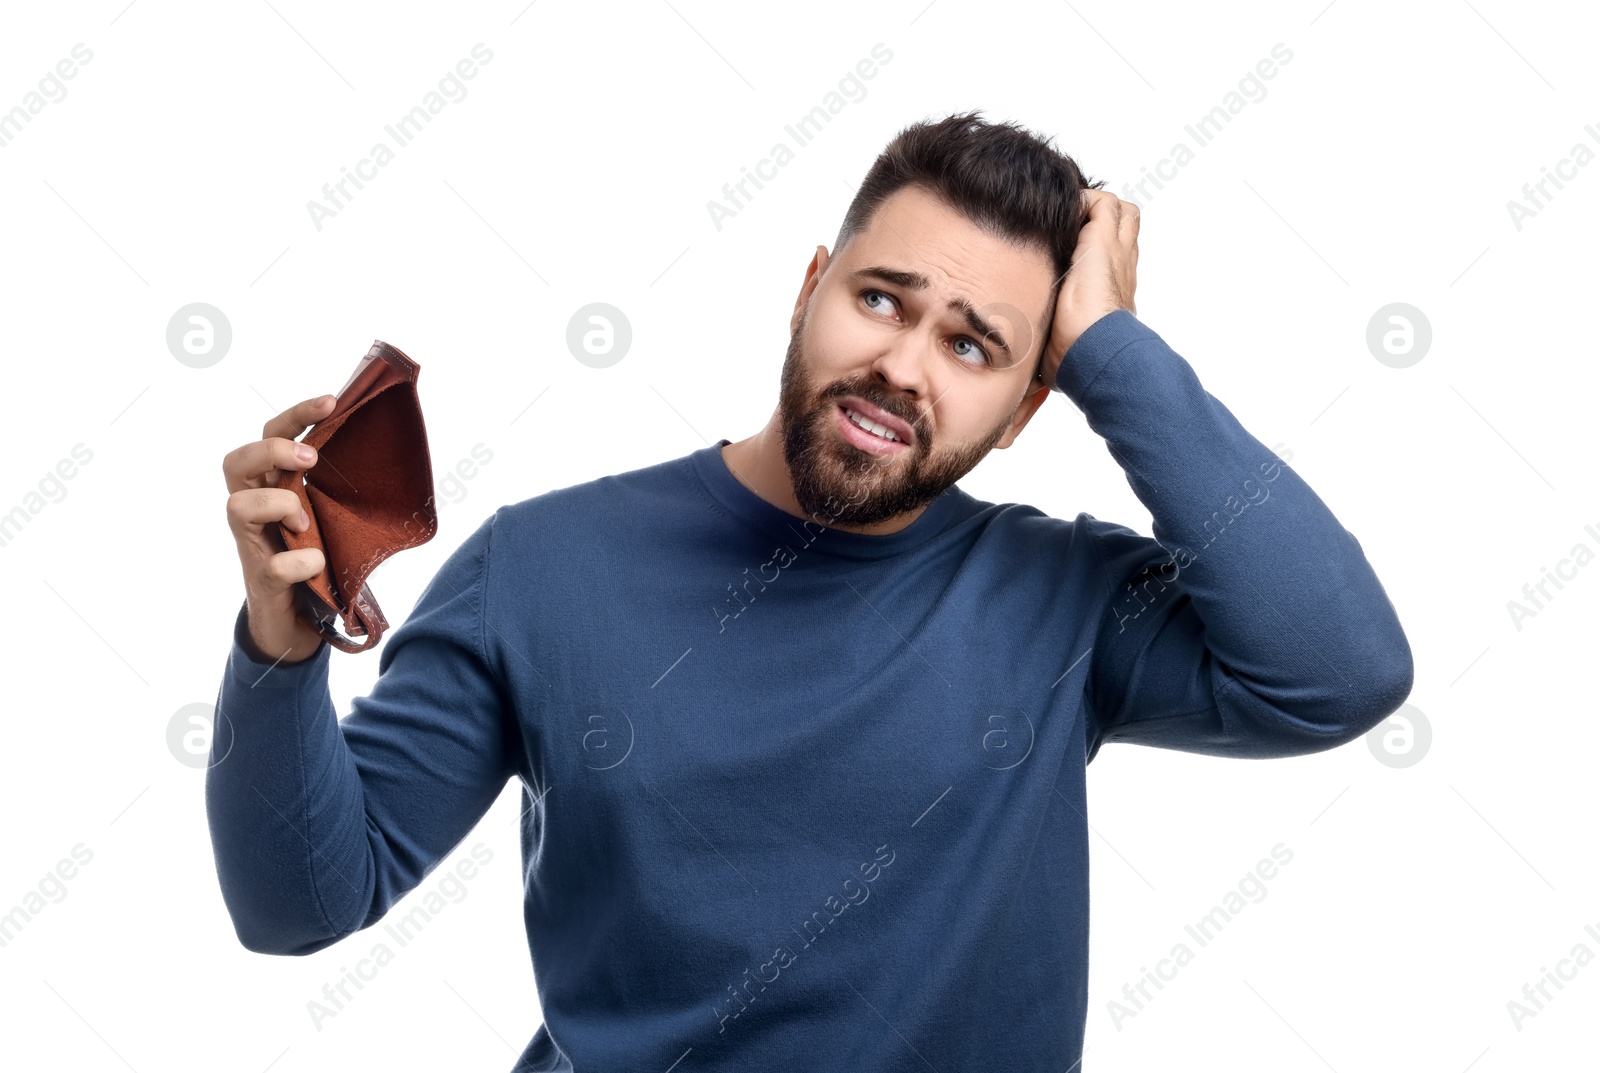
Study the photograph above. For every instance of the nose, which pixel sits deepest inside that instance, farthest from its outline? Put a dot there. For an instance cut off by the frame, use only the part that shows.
(902, 365)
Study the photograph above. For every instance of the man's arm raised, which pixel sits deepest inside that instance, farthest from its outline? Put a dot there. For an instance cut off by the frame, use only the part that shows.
(1252, 625)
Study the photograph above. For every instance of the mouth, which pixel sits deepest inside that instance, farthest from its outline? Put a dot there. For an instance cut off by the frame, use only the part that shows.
(879, 433)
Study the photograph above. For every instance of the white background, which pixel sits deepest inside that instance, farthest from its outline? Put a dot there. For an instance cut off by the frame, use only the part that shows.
(1376, 169)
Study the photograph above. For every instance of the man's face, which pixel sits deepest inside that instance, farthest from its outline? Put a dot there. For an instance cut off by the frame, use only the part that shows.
(903, 343)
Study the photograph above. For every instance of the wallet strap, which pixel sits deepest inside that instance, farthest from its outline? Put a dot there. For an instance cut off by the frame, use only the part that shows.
(368, 618)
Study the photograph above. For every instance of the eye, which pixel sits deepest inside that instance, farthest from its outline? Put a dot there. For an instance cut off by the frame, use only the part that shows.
(977, 350)
(983, 355)
(867, 295)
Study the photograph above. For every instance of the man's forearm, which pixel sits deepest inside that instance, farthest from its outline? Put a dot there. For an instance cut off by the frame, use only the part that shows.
(283, 801)
(1291, 606)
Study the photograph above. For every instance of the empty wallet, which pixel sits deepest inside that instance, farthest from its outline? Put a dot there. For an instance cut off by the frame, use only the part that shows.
(368, 495)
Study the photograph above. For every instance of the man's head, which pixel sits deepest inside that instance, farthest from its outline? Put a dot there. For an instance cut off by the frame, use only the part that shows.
(932, 315)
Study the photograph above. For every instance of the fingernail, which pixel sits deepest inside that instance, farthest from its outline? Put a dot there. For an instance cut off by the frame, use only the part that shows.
(305, 521)
(304, 453)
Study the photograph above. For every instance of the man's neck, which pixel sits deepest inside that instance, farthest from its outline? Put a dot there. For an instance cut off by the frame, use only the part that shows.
(757, 462)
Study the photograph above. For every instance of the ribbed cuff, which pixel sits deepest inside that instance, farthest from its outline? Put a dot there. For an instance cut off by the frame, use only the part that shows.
(247, 664)
(1089, 355)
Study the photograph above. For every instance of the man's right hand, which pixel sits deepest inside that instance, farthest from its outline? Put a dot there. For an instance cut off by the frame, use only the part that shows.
(255, 507)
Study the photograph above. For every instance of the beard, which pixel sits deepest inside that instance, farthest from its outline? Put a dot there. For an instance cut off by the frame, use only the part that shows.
(838, 483)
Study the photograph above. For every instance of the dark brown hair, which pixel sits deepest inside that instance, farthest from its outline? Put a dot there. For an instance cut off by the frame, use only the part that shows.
(1001, 176)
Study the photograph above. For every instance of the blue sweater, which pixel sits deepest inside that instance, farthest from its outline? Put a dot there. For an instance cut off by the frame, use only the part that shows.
(796, 798)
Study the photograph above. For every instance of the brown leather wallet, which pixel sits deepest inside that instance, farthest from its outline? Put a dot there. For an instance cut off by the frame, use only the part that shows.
(368, 495)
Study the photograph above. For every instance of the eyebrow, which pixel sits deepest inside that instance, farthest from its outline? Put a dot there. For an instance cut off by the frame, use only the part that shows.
(916, 281)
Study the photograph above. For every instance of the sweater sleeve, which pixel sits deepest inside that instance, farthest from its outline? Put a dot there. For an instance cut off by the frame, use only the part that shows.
(1252, 624)
(318, 825)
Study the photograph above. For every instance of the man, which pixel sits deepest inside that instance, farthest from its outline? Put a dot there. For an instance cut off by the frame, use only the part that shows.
(802, 726)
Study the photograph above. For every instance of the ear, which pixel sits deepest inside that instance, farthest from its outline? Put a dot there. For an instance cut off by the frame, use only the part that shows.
(819, 261)
(1024, 413)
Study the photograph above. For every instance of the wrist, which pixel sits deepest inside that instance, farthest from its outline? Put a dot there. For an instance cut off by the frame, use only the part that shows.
(276, 648)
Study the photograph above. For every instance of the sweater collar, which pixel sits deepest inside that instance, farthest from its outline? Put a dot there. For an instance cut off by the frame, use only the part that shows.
(782, 527)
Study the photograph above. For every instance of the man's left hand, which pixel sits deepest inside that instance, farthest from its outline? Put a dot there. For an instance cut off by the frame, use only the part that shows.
(1101, 279)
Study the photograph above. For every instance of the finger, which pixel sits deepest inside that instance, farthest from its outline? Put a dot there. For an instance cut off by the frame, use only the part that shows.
(279, 572)
(261, 461)
(297, 418)
(251, 508)
(1108, 217)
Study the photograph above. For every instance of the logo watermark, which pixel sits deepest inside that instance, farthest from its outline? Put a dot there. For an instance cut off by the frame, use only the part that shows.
(51, 488)
(855, 892)
(782, 556)
(1181, 557)
(453, 485)
(336, 996)
(51, 90)
(1137, 995)
(1536, 996)
(851, 90)
(1402, 739)
(50, 890)
(1251, 89)
(190, 733)
(337, 196)
(599, 335)
(1566, 570)
(199, 335)
(1537, 195)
